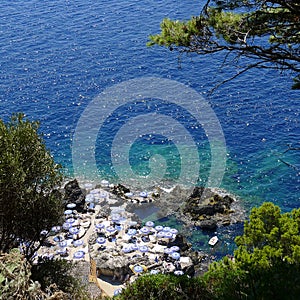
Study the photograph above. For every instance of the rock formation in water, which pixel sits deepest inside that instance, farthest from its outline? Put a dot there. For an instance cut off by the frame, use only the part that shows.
(206, 208)
(74, 194)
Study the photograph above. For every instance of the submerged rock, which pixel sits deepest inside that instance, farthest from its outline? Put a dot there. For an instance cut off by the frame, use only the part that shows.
(207, 224)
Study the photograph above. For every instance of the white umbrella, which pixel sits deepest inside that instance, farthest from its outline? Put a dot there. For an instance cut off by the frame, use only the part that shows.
(68, 212)
(131, 231)
(56, 229)
(71, 205)
(103, 194)
(110, 229)
(126, 249)
(175, 255)
(145, 230)
(149, 224)
(159, 228)
(70, 220)
(160, 234)
(168, 251)
(175, 248)
(138, 269)
(100, 226)
(143, 249)
(101, 240)
(178, 272)
(78, 243)
(63, 244)
(44, 232)
(73, 230)
(67, 226)
(168, 235)
(173, 231)
(79, 254)
(134, 247)
(143, 194)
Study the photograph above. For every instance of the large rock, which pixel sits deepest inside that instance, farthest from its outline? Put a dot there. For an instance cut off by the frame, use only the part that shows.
(208, 224)
(200, 206)
(207, 208)
(200, 261)
(110, 265)
(181, 242)
(197, 192)
(117, 266)
(74, 194)
(120, 190)
(104, 212)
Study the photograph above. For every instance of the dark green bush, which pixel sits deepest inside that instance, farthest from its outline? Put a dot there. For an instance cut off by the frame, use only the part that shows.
(156, 287)
(60, 273)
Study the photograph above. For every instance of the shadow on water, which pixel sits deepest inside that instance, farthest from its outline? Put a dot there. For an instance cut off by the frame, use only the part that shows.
(146, 213)
(225, 245)
(110, 280)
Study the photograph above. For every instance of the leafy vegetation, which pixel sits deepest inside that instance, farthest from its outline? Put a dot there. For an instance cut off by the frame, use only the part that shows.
(50, 279)
(267, 261)
(15, 282)
(15, 277)
(29, 178)
(59, 272)
(267, 32)
(161, 287)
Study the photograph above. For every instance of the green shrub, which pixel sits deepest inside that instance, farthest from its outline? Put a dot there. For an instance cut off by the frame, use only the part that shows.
(59, 272)
(156, 287)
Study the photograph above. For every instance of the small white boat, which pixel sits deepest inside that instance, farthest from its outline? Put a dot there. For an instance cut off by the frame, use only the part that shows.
(213, 240)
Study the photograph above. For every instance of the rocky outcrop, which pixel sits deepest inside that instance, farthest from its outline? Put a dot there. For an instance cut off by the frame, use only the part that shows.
(113, 266)
(181, 242)
(80, 271)
(206, 208)
(117, 265)
(104, 212)
(200, 261)
(74, 194)
(120, 190)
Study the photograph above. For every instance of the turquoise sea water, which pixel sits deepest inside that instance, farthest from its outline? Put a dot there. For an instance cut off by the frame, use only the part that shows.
(56, 57)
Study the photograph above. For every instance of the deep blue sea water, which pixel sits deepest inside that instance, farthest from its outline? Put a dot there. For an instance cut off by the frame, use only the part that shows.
(57, 56)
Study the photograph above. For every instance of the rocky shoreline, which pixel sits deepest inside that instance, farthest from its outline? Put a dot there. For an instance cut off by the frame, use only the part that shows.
(205, 208)
(100, 228)
(113, 262)
(200, 207)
